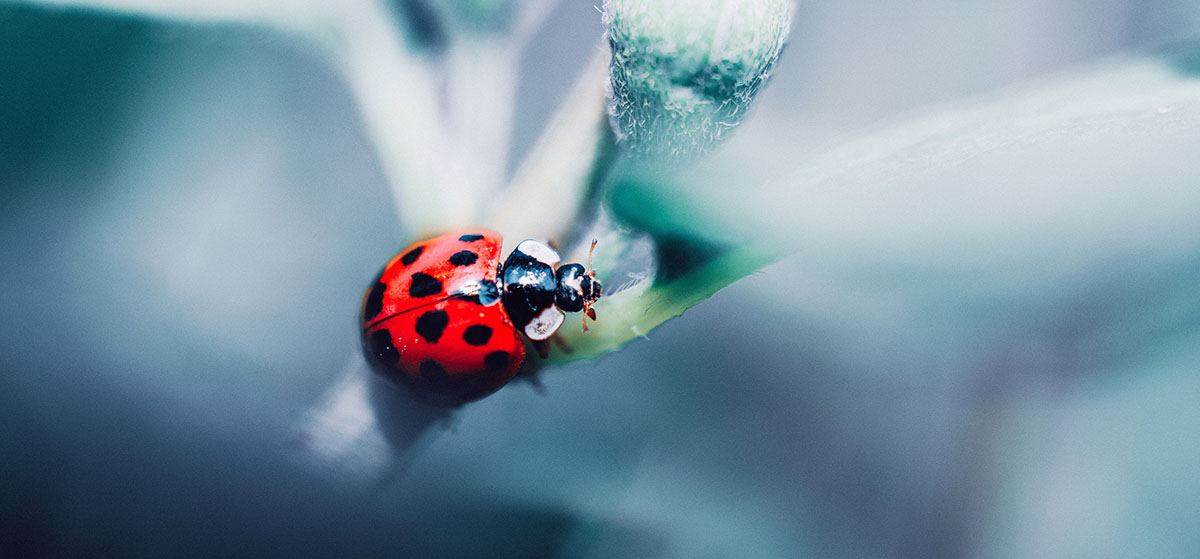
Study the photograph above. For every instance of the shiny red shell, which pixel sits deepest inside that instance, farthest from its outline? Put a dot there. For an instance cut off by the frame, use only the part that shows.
(418, 331)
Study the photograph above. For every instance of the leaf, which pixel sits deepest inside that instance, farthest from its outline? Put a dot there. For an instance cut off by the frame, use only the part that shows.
(691, 260)
(1069, 167)
(1026, 195)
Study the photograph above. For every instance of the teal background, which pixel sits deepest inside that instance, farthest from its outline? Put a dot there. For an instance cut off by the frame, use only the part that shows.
(188, 215)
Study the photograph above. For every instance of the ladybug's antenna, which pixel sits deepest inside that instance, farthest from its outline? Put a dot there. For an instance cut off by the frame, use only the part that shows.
(588, 312)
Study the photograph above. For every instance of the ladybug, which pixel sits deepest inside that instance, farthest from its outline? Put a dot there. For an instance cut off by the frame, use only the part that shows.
(446, 319)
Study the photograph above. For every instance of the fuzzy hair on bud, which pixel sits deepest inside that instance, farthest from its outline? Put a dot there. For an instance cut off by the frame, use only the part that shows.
(683, 72)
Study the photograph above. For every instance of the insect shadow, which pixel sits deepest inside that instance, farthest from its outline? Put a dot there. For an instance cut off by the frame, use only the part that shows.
(364, 432)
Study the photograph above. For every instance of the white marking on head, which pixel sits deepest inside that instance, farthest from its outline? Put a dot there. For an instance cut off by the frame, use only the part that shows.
(530, 277)
(574, 284)
(539, 251)
(544, 325)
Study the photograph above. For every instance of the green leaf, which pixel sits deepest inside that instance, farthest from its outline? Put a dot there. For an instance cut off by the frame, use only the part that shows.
(692, 257)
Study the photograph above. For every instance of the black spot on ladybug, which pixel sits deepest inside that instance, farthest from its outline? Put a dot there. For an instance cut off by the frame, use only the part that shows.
(433, 372)
(496, 360)
(464, 258)
(424, 285)
(431, 325)
(470, 238)
(477, 334)
(374, 304)
(382, 348)
(412, 255)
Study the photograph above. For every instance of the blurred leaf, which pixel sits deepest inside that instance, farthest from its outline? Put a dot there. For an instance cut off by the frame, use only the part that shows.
(1063, 171)
(1030, 193)
(285, 13)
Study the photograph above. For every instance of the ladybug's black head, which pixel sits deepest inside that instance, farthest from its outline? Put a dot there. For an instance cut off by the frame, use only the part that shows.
(577, 289)
(590, 287)
(572, 294)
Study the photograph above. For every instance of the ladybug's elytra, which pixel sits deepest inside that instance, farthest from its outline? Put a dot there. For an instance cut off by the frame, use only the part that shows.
(446, 319)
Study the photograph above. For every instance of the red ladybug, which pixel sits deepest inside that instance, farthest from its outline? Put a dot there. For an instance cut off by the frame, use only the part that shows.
(446, 318)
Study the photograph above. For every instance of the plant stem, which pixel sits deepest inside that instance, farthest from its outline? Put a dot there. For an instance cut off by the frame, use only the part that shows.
(397, 96)
(555, 182)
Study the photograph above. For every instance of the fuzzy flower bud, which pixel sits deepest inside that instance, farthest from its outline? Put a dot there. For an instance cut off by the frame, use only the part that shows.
(683, 72)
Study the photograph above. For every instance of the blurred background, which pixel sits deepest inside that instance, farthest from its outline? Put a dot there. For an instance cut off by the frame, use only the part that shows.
(189, 214)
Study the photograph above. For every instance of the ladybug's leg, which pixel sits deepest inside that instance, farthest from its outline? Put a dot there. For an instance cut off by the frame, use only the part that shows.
(542, 347)
(591, 272)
